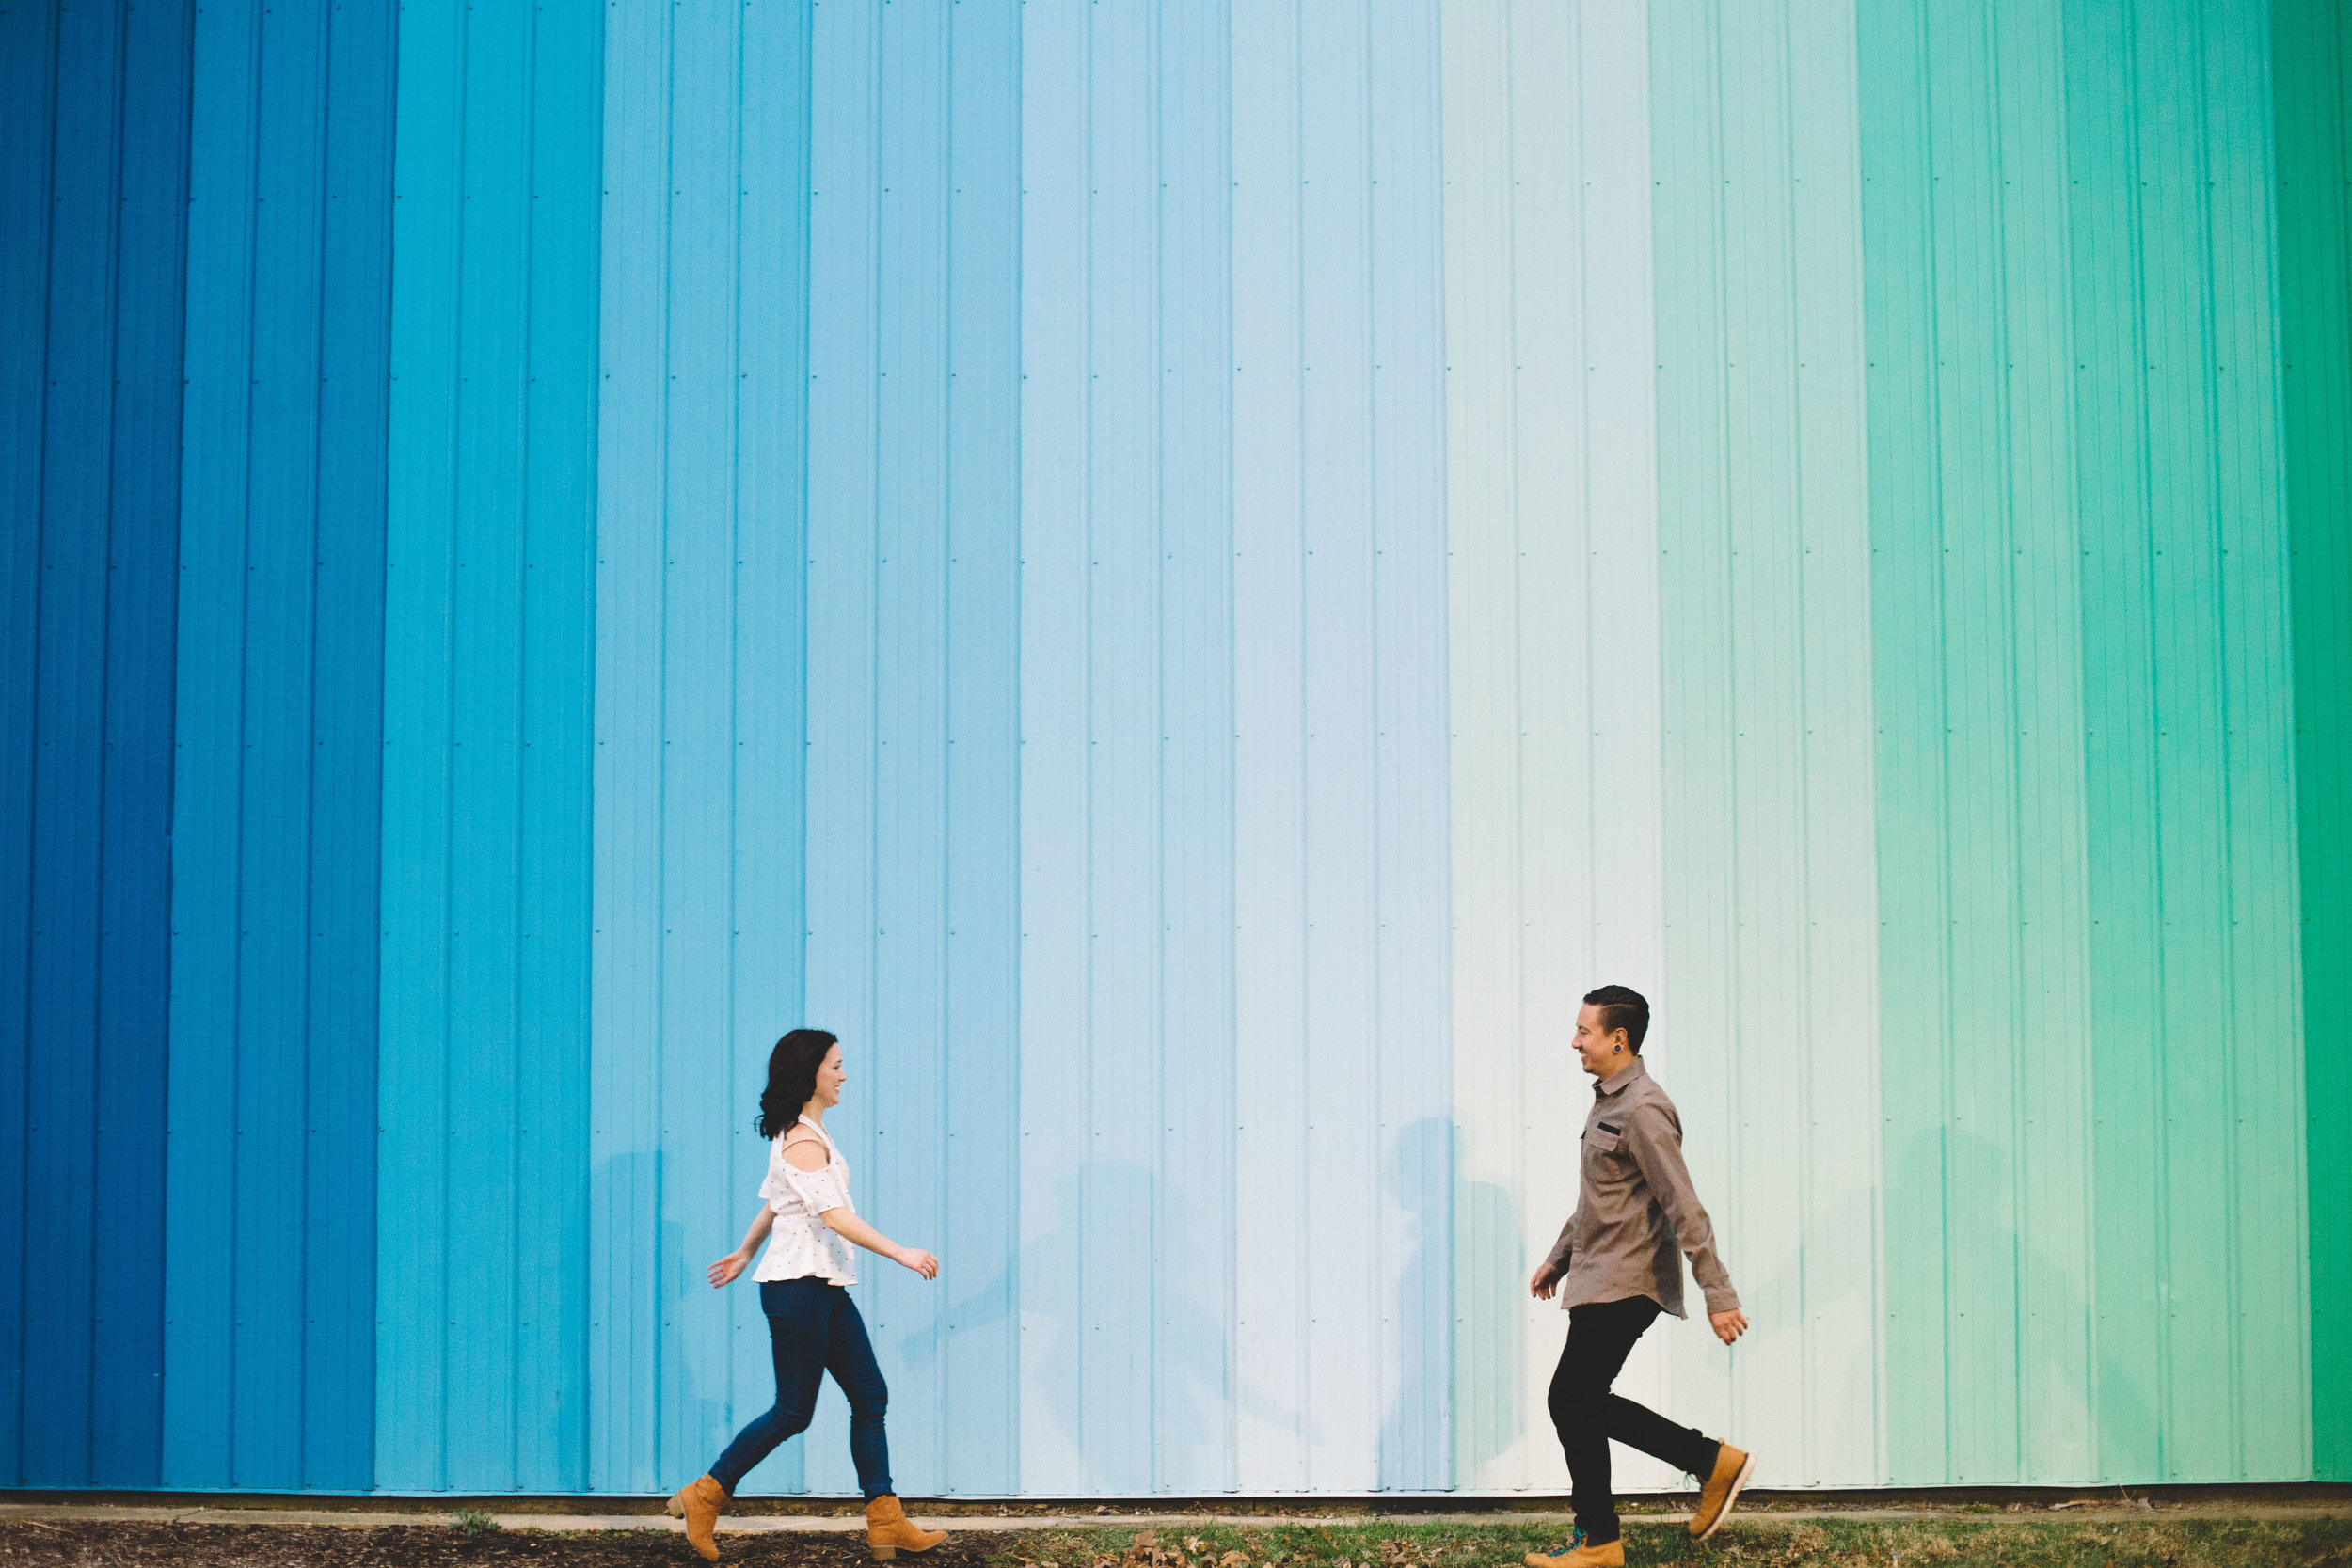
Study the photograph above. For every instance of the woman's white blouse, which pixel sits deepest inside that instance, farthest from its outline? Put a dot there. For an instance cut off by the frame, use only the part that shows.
(800, 1244)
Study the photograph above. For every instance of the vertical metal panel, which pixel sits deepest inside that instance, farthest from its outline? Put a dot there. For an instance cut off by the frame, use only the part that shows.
(2085, 826)
(2186, 697)
(977, 1390)
(271, 1246)
(1126, 963)
(1978, 665)
(94, 208)
(1766, 1028)
(482, 1196)
(2311, 61)
(1337, 614)
(1551, 522)
(894, 144)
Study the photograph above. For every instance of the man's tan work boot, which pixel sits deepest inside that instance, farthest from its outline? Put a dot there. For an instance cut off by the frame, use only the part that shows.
(698, 1503)
(1608, 1554)
(1732, 1469)
(889, 1532)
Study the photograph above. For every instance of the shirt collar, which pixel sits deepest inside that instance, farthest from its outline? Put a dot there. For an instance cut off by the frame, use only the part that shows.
(1620, 1080)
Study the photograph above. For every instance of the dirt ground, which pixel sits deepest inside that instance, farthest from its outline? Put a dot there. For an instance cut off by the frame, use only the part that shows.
(1753, 1542)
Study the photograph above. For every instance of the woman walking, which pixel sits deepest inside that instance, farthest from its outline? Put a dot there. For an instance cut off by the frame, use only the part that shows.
(803, 1288)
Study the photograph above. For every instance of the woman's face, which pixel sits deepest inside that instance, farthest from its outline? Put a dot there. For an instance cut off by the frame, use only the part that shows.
(830, 1077)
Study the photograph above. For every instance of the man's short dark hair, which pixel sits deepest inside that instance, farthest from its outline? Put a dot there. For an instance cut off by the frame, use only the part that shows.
(1622, 1008)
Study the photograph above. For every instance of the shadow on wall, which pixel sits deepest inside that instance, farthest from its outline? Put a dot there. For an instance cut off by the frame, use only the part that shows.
(1416, 1438)
(681, 1409)
(1489, 1338)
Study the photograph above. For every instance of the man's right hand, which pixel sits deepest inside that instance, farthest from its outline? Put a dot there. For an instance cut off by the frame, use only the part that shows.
(1544, 1282)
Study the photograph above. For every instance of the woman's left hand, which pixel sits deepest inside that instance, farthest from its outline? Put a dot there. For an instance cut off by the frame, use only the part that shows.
(920, 1261)
(725, 1269)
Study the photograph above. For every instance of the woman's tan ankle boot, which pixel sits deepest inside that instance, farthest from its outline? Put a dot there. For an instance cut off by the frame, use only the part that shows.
(889, 1532)
(698, 1503)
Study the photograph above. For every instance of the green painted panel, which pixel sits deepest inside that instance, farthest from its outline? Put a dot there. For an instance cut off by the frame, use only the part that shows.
(2086, 817)
(1983, 960)
(2312, 55)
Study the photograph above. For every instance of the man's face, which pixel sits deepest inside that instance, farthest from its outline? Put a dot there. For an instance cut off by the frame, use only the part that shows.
(1601, 1054)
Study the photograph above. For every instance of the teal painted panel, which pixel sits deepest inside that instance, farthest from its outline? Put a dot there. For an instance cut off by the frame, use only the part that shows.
(482, 1189)
(2187, 750)
(1765, 1028)
(2085, 825)
(699, 651)
(2311, 61)
(1984, 964)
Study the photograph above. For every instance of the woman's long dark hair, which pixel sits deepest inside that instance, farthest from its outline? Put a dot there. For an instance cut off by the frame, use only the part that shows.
(791, 1078)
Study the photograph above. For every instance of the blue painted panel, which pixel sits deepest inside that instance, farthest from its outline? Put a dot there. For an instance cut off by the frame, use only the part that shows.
(27, 90)
(845, 460)
(699, 710)
(271, 1250)
(1127, 1054)
(484, 1299)
(625, 1331)
(94, 207)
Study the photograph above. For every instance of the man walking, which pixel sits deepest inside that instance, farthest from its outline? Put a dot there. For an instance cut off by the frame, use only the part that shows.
(1616, 1265)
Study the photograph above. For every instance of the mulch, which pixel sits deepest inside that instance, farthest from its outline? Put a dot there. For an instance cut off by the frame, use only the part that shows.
(432, 1546)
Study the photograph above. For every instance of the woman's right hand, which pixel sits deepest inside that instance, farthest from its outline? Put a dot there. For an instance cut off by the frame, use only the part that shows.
(920, 1261)
(725, 1269)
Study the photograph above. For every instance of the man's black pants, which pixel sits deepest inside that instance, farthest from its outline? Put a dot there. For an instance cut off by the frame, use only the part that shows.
(1586, 1415)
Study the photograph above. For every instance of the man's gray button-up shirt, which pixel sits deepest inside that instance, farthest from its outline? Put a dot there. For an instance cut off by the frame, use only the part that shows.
(1635, 1210)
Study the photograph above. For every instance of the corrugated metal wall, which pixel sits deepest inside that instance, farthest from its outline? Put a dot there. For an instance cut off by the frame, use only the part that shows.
(269, 1251)
(93, 205)
(2312, 62)
(482, 1234)
(2085, 814)
(1188, 575)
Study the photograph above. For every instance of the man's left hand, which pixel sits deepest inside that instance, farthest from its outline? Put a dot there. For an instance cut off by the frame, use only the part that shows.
(1728, 1325)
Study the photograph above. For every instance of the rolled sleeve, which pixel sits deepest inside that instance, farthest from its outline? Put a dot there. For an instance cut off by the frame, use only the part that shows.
(1656, 1146)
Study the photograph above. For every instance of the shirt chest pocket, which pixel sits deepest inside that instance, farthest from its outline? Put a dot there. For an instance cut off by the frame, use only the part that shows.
(1604, 1143)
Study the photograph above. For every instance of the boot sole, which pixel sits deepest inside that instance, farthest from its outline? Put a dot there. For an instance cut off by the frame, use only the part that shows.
(886, 1553)
(1738, 1484)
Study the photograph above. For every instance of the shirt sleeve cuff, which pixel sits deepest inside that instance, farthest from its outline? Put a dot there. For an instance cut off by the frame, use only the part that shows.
(1723, 1300)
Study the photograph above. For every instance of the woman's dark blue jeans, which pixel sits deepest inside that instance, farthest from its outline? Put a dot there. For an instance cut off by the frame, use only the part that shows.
(814, 1329)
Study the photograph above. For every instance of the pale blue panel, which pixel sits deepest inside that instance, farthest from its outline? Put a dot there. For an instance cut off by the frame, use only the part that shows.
(1126, 1002)
(1341, 792)
(1274, 1419)
(1192, 1228)
(977, 1384)
(1054, 1137)
(1412, 1313)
